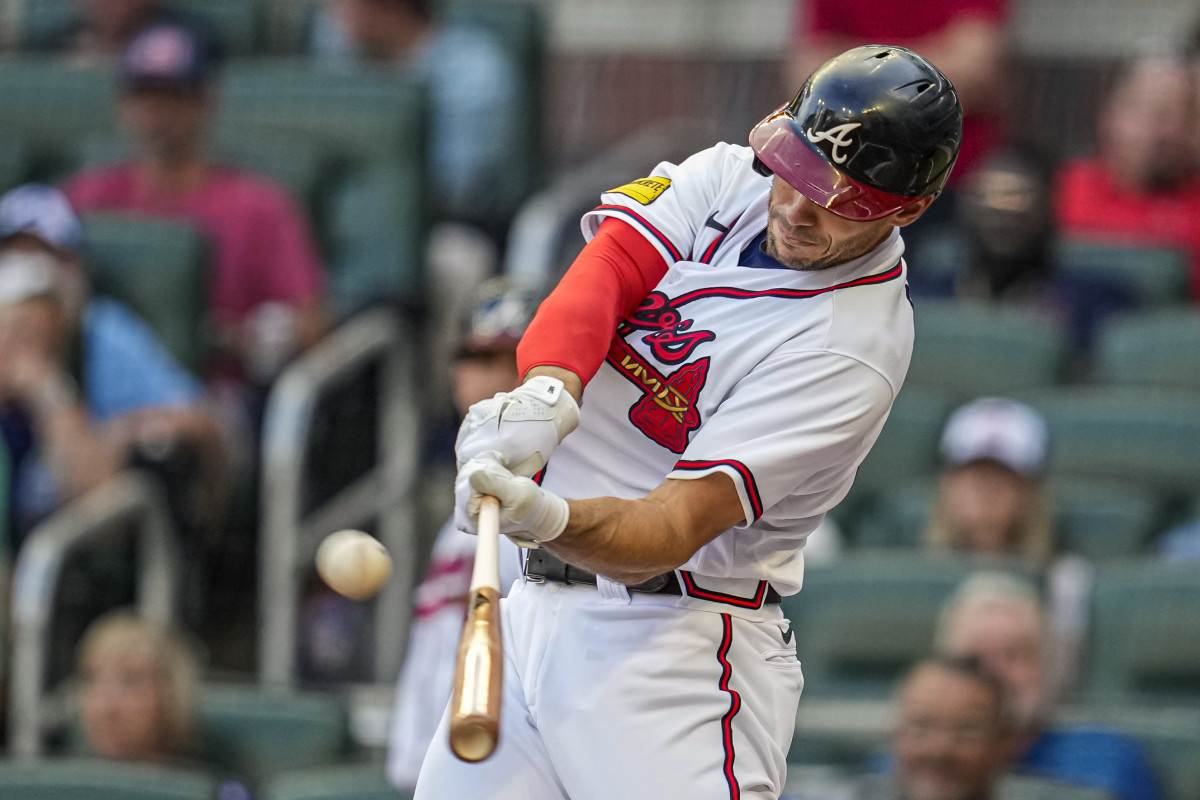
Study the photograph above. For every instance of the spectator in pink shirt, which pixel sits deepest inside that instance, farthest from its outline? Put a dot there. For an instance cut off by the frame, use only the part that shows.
(265, 266)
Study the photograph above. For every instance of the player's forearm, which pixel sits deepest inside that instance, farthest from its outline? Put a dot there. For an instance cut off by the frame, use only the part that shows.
(633, 540)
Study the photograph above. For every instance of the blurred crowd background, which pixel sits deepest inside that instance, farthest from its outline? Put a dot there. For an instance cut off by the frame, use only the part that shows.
(254, 254)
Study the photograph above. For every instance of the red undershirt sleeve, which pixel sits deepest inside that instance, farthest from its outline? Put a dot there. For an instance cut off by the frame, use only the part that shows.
(575, 324)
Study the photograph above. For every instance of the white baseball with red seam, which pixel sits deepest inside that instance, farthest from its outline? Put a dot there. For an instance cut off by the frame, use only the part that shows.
(354, 564)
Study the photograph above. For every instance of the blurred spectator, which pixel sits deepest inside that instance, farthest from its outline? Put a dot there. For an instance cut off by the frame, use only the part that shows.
(138, 683)
(992, 502)
(1141, 187)
(967, 40)
(473, 87)
(486, 364)
(998, 619)
(1000, 249)
(952, 734)
(85, 387)
(474, 98)
(137, 690)
(266, 279)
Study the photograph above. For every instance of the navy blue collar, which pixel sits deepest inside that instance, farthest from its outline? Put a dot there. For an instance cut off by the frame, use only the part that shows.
(754, 254)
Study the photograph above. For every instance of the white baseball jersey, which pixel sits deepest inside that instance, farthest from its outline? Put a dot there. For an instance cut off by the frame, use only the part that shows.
(779, 378)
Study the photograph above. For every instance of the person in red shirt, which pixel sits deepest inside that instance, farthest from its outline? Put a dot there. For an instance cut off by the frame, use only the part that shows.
(265, 266)
(1141, 187)
(965, 39)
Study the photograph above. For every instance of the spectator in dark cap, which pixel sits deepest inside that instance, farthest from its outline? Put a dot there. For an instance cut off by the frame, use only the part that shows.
(265, 263)
(84, 384)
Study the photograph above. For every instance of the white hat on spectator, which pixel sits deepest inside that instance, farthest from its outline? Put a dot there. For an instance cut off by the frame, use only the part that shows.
(44, 212)
(997, 429)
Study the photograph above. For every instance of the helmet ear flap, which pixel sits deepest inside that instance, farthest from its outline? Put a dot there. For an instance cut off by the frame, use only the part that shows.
(761, 168)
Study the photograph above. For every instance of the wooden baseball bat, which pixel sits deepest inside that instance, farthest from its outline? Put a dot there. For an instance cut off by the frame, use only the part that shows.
(479, 674)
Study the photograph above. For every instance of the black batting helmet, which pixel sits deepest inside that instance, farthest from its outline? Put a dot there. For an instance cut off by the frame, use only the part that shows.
(872, 131)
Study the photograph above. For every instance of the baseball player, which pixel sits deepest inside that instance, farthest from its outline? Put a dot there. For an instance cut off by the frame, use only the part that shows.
(486, 363)
(741, 325)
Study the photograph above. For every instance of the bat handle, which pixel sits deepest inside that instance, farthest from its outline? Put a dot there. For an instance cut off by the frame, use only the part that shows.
(479, 673)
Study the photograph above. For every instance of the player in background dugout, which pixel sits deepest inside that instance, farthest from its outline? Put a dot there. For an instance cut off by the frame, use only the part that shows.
(737, 328)
(485, 364)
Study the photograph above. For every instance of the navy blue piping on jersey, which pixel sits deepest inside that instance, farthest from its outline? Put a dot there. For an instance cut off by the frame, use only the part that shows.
(734, 293)
(735, 704)
(742, 470)
(655, 232)
(716, 243)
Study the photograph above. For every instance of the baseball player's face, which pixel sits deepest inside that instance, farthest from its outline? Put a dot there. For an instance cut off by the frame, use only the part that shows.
(804, 236)
(949, 742)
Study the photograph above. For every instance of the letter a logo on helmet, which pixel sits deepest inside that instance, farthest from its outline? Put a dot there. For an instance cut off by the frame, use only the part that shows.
(871, 132)
(837, 137)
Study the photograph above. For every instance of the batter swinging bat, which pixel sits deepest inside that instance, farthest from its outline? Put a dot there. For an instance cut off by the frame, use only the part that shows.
(479, 674)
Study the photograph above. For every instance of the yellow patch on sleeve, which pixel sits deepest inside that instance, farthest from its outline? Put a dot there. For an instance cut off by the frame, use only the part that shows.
(644, 190)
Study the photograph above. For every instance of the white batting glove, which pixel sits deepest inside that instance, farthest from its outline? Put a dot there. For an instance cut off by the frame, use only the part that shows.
(528, 513)
(523, 426)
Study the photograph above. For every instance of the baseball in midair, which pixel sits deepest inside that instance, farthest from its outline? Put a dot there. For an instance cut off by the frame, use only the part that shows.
(354, 564)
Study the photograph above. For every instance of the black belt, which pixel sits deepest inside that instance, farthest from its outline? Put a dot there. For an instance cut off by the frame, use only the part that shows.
(541, 565)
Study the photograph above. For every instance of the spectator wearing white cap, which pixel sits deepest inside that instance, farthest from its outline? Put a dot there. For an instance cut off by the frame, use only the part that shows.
(992, 501)
(83, 382)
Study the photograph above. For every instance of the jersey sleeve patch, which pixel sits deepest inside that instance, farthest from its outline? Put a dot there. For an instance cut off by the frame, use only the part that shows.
(644, 190)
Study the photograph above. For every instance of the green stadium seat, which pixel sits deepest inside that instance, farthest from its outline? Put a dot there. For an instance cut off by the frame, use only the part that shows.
(908, 443)
(1104, 519)
(861, 622)
(92, 779)
(1151, 349)
(1146, 438)
(1026, 787)
(51, 107)
(15, 161)
(157, 268)
(1155, 276)
(239, 25)
(1145, 634)
(976, 350)
(256, 734)
(346, 782)
(370, 128)
(1174, 753)
(521, 29)
(899, 516)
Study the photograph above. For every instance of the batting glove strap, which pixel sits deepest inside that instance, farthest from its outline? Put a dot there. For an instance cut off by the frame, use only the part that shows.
(528, 513)
(523, 426)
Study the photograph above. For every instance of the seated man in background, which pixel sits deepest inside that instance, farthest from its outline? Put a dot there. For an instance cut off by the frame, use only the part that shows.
(265, 267)
(998, 619)
(951, 737)
(1142, 186)
(84, 384)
